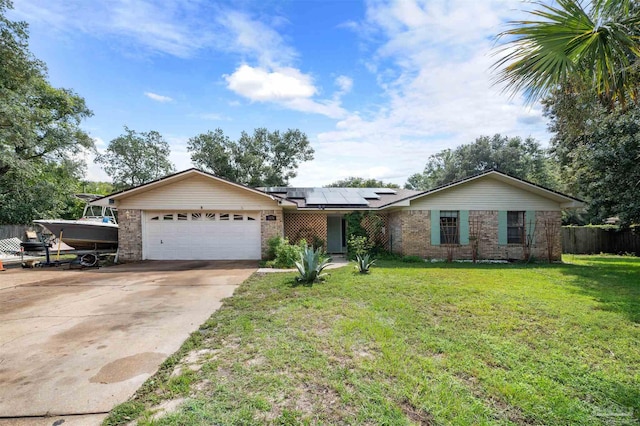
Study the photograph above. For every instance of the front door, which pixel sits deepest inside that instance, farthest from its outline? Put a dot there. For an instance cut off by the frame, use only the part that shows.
(335, 234)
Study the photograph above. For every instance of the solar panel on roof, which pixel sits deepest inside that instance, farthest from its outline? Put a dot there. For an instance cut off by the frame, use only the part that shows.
(368, 193)
(296, 194)
(385, 191)
(334, 197)
(275, 189)
(316, 198)
(357, 202)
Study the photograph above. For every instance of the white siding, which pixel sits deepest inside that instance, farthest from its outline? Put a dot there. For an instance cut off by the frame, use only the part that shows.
(484, 194)
(198, 193)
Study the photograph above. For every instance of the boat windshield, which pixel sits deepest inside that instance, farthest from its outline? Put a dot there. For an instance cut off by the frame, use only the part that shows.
(99, 213)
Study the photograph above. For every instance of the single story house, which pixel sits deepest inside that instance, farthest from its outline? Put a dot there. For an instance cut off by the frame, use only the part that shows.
(194, 215)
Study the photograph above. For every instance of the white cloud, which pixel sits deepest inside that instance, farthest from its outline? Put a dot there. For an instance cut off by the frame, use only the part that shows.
(432, 62)
(285, 86)
(254, 39)
(94, 171)
(344, 84)
(184, 28)
(212, 116)
(99, 143)
(258, 84)
(158, 98)
(179, 156)
(175, 28)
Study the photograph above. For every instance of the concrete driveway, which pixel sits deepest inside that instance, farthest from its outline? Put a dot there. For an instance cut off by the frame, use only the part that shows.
(79, 342)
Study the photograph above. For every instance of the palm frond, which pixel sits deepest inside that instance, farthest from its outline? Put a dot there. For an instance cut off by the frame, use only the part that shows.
(600, 45)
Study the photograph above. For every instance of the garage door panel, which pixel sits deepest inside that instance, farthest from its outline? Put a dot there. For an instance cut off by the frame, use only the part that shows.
(202, 239)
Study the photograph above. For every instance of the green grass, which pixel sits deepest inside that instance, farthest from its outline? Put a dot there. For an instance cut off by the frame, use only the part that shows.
(418, 344)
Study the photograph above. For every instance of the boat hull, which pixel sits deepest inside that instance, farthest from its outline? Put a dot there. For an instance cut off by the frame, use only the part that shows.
(84, 234)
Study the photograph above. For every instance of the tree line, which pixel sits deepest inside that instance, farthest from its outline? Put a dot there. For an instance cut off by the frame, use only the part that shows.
(264, 158)
(579, 59)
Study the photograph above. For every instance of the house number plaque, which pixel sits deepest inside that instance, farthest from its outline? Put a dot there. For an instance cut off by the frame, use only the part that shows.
(270, 217)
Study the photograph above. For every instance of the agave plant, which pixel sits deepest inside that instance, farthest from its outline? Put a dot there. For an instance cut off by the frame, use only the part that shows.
(364, 262)
(311, 265)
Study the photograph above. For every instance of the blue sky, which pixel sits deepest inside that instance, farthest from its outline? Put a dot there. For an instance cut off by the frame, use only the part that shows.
(376, 86)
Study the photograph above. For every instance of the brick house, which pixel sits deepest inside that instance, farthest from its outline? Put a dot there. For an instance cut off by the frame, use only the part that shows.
(196, 215)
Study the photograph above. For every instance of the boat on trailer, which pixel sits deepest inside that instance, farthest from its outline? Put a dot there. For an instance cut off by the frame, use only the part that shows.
(97, 229)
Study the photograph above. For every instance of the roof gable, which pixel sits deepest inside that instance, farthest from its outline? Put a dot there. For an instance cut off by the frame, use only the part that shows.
(536, 191)
(173, 179)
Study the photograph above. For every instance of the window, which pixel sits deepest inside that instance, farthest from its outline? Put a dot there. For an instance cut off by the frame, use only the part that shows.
(251, 218)
(155, 218)
(210, 216)
(196, 216)
(515, 227)
(224, 216)
(449, 229)
(182, 216)
(237, 217)
(167, 217)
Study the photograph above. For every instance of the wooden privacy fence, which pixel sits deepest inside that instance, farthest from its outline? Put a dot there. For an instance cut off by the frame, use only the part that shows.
(589, 240)
(10, 231)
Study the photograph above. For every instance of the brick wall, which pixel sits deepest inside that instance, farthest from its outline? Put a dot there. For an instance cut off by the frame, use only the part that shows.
(270, 228)
(411, 234)
(129, 235)
(416, 230)
(305, 225)
(485, 229)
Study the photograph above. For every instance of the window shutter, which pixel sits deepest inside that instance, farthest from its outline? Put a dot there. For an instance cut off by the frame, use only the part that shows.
(464, 227)
(530, 224)
(502, 228)
(435, 227)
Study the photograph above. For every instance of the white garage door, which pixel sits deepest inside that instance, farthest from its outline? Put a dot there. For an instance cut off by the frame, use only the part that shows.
(201, 235)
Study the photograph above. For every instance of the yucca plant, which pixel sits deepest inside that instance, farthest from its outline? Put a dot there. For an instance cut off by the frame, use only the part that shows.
(311, 265)
(364, 262)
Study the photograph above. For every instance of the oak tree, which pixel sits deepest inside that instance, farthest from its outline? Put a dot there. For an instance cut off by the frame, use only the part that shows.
(264, 158)
(134, 158)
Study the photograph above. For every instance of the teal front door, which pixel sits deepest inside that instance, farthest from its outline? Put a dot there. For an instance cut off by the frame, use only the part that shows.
(335, 234)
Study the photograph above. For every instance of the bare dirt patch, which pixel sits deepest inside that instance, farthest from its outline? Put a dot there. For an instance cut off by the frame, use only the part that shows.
(128, 367)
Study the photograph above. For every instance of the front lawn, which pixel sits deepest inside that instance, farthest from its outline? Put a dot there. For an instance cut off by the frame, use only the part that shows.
(415, 344)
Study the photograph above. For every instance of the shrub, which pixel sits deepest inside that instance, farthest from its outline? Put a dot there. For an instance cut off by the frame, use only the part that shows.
(312, 263)
(412, 259)
(364, 262)
(387, 255)
(273, 243)
(286, 255)
(369, 225)
(283, 254)
(358, 246)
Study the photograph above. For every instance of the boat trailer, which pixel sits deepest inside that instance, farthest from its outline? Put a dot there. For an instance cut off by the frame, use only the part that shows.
(83, 259)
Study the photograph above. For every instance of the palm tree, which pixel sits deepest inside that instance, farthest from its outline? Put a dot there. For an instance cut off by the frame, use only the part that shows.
(594, 48)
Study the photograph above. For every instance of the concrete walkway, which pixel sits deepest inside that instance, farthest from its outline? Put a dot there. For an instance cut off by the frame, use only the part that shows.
(77, 343)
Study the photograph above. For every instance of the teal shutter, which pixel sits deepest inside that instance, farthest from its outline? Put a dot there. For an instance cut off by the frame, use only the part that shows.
(435, 227)
(464, 226)
(530, 224)
(502, 228)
